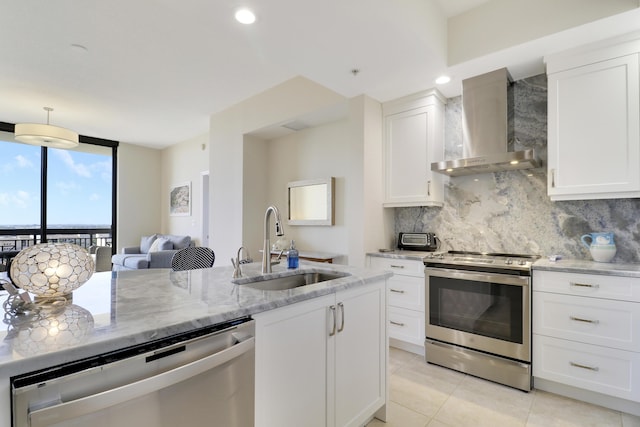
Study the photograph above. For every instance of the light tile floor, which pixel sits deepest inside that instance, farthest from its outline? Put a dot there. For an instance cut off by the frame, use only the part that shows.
(427, 395)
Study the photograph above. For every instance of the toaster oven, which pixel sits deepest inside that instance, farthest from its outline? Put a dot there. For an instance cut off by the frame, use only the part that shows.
(427, 242)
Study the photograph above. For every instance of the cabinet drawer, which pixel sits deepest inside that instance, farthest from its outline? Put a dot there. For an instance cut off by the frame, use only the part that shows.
(406, 292)
(591, 285)
(603, 370)
(406, 325)
(404, 267)
(595, 321)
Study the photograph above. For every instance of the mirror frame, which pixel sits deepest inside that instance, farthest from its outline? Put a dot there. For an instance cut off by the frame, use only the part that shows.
(330, 214)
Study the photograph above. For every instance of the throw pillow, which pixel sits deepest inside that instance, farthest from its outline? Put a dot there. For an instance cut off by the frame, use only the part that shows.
(146, 242)
(179, 242)
(161, 244)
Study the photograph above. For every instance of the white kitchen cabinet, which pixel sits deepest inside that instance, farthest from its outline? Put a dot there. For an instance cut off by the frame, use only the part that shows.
(322, 362)
(585, 332)
(594, 122)
(405, 296)
(413, 139)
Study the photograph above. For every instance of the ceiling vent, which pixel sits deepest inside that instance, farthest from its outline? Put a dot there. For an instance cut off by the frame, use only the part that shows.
(295, 125)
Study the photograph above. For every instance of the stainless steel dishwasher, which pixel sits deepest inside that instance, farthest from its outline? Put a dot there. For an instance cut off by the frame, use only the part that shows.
(201, 378)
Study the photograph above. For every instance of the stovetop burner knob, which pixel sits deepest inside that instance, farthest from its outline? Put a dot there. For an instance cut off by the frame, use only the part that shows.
(522, 262)
(509, 261)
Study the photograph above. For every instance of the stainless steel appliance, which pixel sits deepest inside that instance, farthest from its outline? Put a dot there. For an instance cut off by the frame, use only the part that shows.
(427, 242)
(478, 315)
(205, 377)
(488, 142)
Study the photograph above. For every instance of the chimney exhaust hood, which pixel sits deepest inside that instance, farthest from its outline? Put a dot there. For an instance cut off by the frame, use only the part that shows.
(487, 129)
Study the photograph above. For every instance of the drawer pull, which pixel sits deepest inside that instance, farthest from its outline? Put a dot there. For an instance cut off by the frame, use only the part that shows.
(590, 368)
(396, 266)
(397, 291)
(579, 319)
(396, 323)
(584, 285)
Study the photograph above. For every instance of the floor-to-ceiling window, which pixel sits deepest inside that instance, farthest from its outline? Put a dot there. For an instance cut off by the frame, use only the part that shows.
(49, 194)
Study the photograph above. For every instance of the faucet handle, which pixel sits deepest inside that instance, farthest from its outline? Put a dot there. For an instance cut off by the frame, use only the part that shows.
(237, 272)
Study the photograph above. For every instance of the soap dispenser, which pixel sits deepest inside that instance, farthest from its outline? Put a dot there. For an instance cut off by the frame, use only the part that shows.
(292, 256)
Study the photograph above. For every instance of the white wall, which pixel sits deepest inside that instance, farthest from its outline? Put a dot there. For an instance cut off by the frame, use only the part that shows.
(139, 194)
(184, 163)
(500, 24)
(291, 99)
(350, 150)
(257, 180)
(318, 152)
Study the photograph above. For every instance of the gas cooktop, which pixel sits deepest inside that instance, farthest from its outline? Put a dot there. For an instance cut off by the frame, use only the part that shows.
(482, 259)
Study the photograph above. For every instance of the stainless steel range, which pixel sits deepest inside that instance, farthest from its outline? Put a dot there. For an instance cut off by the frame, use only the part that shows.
(478, 314)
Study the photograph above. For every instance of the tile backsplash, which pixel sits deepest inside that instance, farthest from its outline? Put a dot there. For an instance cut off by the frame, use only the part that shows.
(510, 211)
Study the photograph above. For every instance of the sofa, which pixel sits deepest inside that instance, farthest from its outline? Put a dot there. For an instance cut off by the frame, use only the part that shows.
(154, 251)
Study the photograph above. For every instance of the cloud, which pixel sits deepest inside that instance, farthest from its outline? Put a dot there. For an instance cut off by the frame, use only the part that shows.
(19, 199)
(20, 161)
(23, 162)
(78, 168)
(94, 196)
(67, 187)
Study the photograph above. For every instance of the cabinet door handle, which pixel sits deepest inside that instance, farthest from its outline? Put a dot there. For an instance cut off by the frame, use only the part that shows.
(396, 266)
(428, 188)
(341, 307)
(397, 291)
(584, 285)
(590, 368)
(333, 316)
(579, 319)
(396, 323)
(553, 178)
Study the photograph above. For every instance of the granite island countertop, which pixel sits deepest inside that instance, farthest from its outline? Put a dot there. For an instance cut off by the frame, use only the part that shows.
(120, 309)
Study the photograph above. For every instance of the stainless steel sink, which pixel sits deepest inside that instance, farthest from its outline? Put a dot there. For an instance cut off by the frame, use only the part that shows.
(290, 282)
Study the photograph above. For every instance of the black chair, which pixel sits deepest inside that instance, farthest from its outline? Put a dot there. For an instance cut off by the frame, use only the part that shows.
(192, 258)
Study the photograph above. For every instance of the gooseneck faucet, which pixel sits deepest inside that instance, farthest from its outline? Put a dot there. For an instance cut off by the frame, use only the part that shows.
(266, 247)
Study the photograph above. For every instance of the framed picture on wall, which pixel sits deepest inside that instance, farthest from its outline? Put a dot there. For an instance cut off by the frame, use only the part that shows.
(180, 200)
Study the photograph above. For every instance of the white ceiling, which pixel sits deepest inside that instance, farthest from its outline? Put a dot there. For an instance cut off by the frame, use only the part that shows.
(153, 71)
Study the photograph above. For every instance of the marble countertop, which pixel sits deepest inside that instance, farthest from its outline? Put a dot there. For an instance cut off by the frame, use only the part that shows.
(308, 254)
(120, 309)
(588, 267)
(401, 254)
(563, 265)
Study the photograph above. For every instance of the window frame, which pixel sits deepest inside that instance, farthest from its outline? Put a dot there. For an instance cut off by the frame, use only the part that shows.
(10, 128)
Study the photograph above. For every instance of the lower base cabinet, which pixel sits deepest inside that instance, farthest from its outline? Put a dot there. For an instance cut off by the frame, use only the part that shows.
(322, 362)
(586, 343)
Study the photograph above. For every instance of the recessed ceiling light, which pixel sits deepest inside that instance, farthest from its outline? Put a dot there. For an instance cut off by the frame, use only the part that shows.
(443, 80)
(245, 16)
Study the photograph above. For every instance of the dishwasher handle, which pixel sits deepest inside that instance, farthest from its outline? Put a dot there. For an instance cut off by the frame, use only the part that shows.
(91, 404)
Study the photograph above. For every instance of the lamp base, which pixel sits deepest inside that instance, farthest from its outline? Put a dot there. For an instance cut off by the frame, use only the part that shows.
(66, 298)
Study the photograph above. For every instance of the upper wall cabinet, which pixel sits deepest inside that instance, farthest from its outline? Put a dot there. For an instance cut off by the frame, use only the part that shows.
(413, 139)
(594, 122)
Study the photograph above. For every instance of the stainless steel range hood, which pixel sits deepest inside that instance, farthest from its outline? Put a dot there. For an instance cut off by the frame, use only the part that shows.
(487, 129)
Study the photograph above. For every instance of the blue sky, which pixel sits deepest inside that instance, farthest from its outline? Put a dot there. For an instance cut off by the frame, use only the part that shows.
(79, 186)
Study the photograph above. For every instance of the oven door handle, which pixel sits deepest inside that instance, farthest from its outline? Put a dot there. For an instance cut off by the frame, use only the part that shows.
(504, 279)
(96, 402)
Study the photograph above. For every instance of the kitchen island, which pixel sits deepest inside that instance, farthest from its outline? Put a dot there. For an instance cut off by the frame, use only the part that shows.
(121, 309)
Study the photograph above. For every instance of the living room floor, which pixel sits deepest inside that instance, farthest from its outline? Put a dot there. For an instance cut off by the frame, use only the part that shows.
(422, 395)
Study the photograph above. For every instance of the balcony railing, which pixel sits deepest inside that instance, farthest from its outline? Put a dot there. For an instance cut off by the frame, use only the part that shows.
(14, 240)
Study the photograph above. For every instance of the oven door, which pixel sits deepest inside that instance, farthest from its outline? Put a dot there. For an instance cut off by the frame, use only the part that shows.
(489, 312)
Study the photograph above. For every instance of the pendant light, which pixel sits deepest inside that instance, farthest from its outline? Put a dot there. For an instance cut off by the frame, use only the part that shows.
(45, 135)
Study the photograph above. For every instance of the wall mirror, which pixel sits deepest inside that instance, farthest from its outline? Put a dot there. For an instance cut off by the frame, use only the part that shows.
(311, 202)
